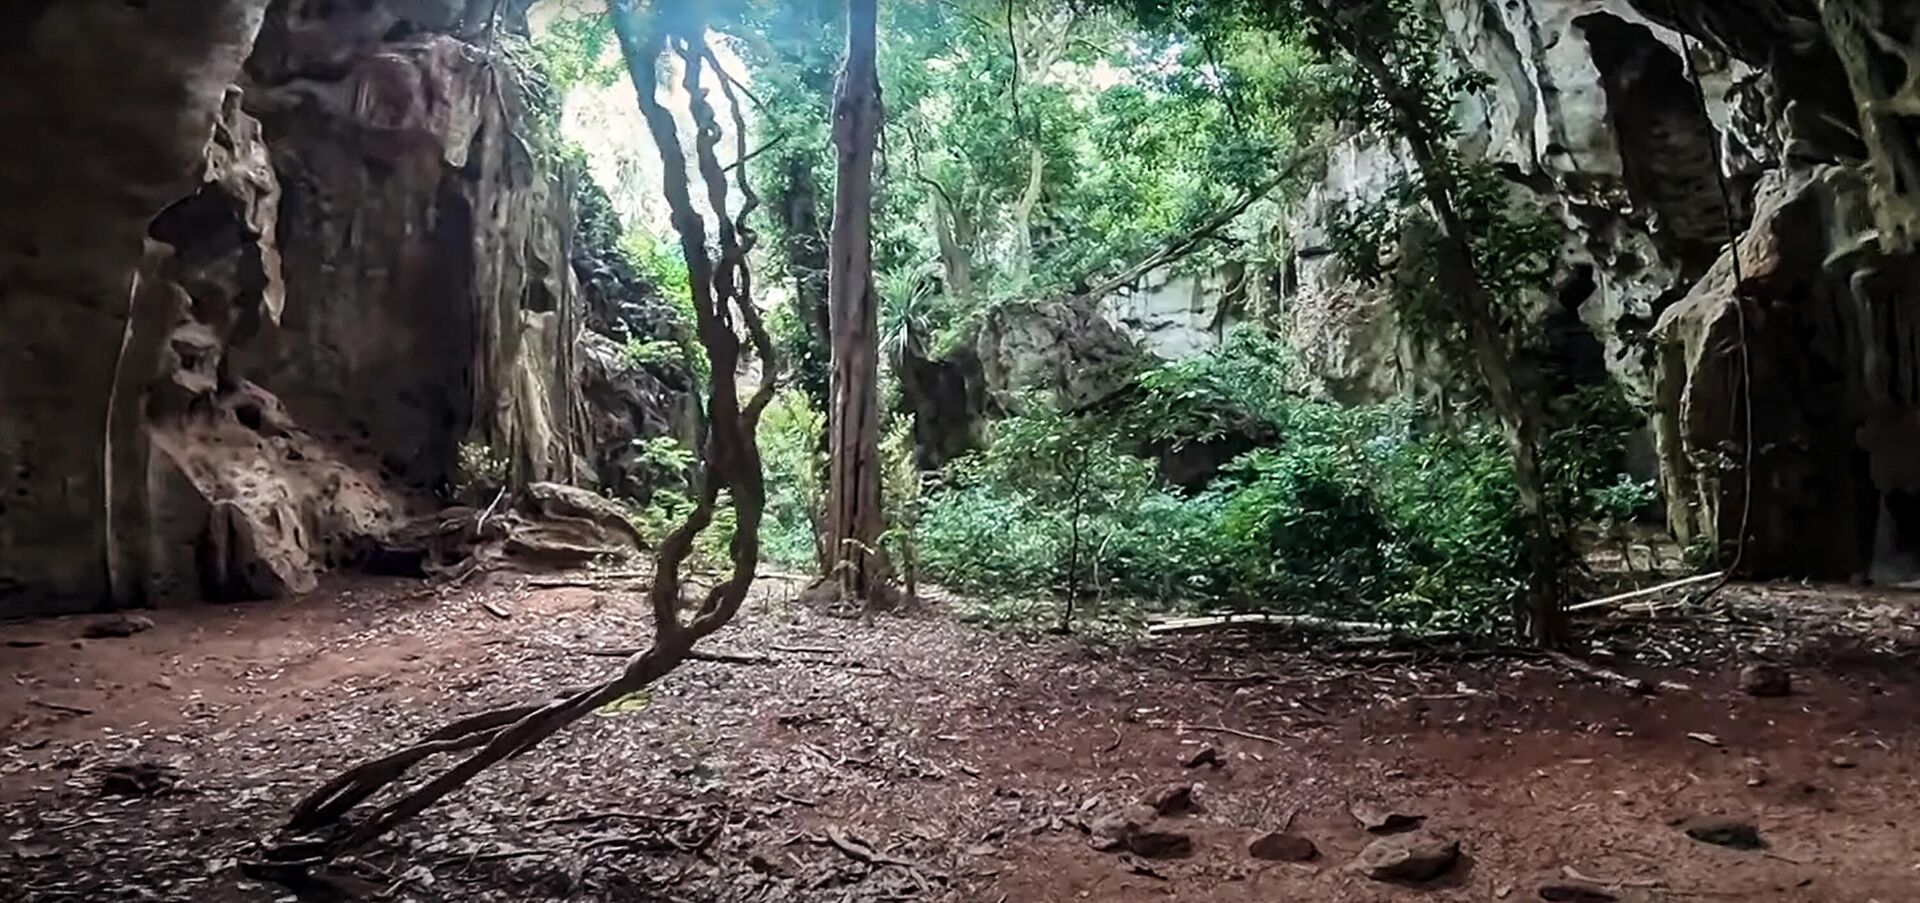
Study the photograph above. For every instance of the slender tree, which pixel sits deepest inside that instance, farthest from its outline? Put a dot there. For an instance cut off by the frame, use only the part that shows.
(854, 520)
(1367, 33)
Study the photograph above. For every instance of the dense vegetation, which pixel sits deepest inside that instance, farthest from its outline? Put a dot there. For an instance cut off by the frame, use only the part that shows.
(1042, 150)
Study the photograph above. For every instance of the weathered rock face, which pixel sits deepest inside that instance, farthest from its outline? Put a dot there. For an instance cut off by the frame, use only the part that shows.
(1593, 119)
(1177, 315)
(950, 402)
(1790, 378)
(626, 404)
(215, 492)
(1066, 347)
(108, 110)
(429, 249)
(347, 266)
(626, 401)
(1074, 350)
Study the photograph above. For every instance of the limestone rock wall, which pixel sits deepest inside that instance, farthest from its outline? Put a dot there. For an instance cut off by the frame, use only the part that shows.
(1593, 118)
(429, 249)
(254, 294)
(108, 110)
(1789, 379)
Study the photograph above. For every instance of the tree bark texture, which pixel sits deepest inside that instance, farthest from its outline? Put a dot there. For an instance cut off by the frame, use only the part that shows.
(854, 514)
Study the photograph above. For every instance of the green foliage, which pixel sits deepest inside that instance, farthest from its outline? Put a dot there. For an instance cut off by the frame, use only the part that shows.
(900, 493)
(665, 268)
(479, 470)
(664, 456)
(790, 436)
(638, 353)
(1359, 512)
(662, 265)
(1393, 239)
(578, 48)
(1031, 511)
(1241, 388)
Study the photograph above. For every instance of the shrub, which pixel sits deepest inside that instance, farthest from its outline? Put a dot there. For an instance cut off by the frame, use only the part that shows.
(1361, 512)
(790, 437)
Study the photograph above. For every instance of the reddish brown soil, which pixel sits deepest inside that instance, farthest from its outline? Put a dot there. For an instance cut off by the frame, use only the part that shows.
(976, 756)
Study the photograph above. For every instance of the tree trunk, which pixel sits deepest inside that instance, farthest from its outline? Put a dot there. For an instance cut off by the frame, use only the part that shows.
(955, 237)
(805, 248)
(854, 514)
(1021, 266)
(1542, 618)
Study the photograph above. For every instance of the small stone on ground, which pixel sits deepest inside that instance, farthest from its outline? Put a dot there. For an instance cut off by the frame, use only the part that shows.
(1766, 681)
(1281, 846)
(1414, 857)
(1161, 844)
(1173, 799)
(1724, 832)
(1380, 819)
(1568, 890)
(116, 627)
(1112, 830)
(1207, 755)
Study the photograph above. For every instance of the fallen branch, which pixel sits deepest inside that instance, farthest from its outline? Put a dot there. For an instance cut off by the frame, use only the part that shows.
(808, 650)
(480, 525)
(583, 582)
(62, 707)
(1254, 678)
(603, 578)
(611, 814)
(741, 658)
(1603, 674)
(1239, 621)
(1647, 591)
(846, 844)
(734, 658)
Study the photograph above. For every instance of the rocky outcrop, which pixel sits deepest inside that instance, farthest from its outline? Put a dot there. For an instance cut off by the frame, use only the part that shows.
(428, 247)
(1077, 351)
(1066, 347)
(1178, 315)
(249, 316)
(949, 400)
(1592, 116)
(627, 402)
(216, 493)
(108, 110)
(1790, 375)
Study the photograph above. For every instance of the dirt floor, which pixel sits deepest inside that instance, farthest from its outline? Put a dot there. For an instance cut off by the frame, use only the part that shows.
(972, 764)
